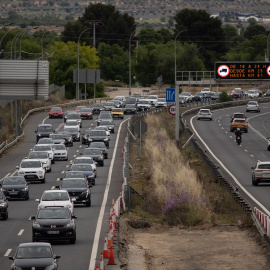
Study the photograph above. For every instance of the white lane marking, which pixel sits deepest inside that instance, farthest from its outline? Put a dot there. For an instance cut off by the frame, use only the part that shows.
(58, 179)
(102, 208)
(75, 156)
(246, 150)
(20, 232)
(251, 155)
(63, 172)
(8, 252)
(7, 175)
(222, 127)
(80, 146)
(225, 168)
(53, 187)
(59, 127)
(14, 173)
(231, 137)
(67, 166)
(44, 120)
(226, 132)
(77, 151)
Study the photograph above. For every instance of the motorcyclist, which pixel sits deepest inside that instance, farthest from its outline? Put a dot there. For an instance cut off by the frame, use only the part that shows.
(238, 133)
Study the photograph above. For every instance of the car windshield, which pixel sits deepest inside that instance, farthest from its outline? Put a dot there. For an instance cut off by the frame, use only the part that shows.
(109, 104)
(55, 109)
(130, 106)
(92, 151)
(58, 147)
(44, 129)
(83, 160)
(46, 213)
(162, 99)
(252, 103)
(42, 155)
(97, 133)
(204, 111)
(251, 91)
(56, 136)
(106, 122)
(45, 141)
(152, 97)
(34, 252)
(73, 116)
(71, 123)
(30, 164)
(264, 166)
(116, 110)
(101, 128)
(85, 110)
(97, 145)
(71, 174)
(72, 129)
(81, 167)
(105, 116)
(13, 181)
(55, 196)
(76, 183)
(198, 94)
(144, 102)
(239, 120)
(42, 148)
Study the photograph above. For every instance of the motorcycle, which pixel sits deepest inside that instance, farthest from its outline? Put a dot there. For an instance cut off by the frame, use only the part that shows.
(238, 140)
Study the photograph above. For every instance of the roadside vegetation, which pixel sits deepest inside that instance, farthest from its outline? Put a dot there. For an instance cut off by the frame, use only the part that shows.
(176, 187)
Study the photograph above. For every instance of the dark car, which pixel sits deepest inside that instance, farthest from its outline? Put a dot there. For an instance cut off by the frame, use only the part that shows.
(101, 146)
(98, 136)
(97, 108)
(130, 109)
(44, 131)
(88, 171)
(3, 206)
(216, 95)
(15, 187)
(57, 138)
(35, 256)
(74, 116)
(131, 100)
(54, 223)
(117, 103)
(67, 137)
(238, 115)
(56, 112)
(104, 115)
(78, 190)
(75, 132)
(108, 123)
(198, 96)
(74, 174)
(95, 153)
(86, 113)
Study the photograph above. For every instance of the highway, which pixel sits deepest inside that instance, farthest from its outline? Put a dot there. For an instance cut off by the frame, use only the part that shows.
(18, 228)
(236, 161)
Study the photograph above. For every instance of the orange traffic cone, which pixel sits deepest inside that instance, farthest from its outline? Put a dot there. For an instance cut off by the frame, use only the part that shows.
(97, 267)
(101, 263)
(105, 249)
(111, 259)
(109, 239)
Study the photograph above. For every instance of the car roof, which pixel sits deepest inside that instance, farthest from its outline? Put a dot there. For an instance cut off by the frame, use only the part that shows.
(35, 244)
(55, 190)
(31, 160)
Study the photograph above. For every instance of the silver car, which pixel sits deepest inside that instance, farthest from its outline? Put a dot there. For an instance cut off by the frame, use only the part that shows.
(261, 172)
(253, 106)
(204, 114)
(60, 151)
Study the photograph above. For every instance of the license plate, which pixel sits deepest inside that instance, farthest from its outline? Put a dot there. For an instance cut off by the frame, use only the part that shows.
(13, 192)
(30, 176)
(266, 175)
(52, 232)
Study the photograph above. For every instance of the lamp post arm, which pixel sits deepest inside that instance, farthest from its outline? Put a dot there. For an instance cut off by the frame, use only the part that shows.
(12, 43)
(6, 34)
(129, 93)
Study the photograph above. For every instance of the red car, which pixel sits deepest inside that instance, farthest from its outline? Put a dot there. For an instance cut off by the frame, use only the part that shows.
(237, 93)
(78, 108)
(86, 113)
(56, 112)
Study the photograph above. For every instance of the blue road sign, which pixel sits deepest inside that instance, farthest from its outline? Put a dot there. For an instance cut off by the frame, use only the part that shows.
(170, 95)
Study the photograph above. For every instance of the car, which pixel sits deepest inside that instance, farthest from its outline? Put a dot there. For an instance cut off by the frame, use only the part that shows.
(267, 93)
(45, 148)
(153, 99)
(98, 136)
(206, 90)
(88, 171)
(54, 223)
(43, 131)
(108, 106)
(44, 157)
(60, 152)
(97, 108)
(161, 103)
(104, 115)
(72, 123)
(182, 101)
(101, 146)
(86, 113)
(58, 138)
(45, 140)
(86, 160)
(67, 137)
(241, 123)
(253, 106)
(138, 96)
(56, 112)
(237, 93)
(85, 136)
(34, 256)
(55, 198)
(216, 95)
(95, 153)
(3, 206)
(122, 99)
(253, 93)
(117, 103)
(261, 172)
(130, 109)
(78, 190)
(32, 170)
(104, 128)
(238, 115)
(189, 97)
(74, 131)
(109, 123)
(130, 100)
(74, 116)
(15, 187)
(117, 112)
(74, 174)
(78, 108)
(204, 114)
(144, 105)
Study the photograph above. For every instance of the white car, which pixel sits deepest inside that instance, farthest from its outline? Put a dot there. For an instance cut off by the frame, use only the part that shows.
(45, 148)
(144, 104)
(204, 114)
(72, 123)
(104, 128)
(32, 170)
(187, 95)
(60, 151)
(162, 102)
(44, 157)
(253, 93)
(56, 198)
(153, 99)
(86, 160)
(122, 99)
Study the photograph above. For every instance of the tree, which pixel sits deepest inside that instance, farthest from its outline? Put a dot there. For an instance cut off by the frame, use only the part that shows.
(252, 21)
(254, 30)
(65, 58)
(203, 30)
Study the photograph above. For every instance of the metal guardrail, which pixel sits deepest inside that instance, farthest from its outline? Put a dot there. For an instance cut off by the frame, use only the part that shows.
(2, 145)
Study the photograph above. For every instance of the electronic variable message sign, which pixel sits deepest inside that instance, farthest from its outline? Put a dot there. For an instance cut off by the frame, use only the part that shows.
(242, 71)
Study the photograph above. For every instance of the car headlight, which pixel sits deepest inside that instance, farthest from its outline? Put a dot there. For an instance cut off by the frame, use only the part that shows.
(85, 192)
(39, 135)
(36, 225)
(20, 172)
(100, 158)
(78, 135)
(40, 172)
(70, 224)
(44, 162)
(51, 267)
(106, 139)
(24, 189)
(2, 204)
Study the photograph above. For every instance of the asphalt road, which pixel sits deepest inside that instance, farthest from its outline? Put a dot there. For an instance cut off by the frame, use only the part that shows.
(18, 228)
(236, 161)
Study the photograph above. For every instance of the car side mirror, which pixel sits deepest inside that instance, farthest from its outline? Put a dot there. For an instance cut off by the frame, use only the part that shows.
(252, 168)
(81, 154)
(74, 216)
(18, 167)
(89, 185)
(37, 200)
(57, 186)
(35, 131)
(57, 257)
(32, 217)
(11, 258)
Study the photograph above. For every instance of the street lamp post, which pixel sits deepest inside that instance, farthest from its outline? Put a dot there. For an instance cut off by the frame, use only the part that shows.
(129, 93)
(176, 91)
(11, 45)
(20, 51)
(267, 53)
(42, 53)
(77, 92)
(6, 34)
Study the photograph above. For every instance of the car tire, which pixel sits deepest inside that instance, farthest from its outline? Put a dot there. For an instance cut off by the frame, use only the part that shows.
(53, 161)
(246, 130)
(66, 159)
(50, 169)
(43, 180)
(88, 204)
(73, 240)
(198, 118)
(5, 217)
(256, 183)
(27, 198)
(34, 239)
